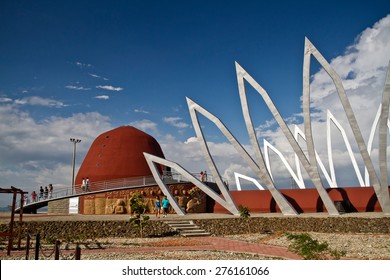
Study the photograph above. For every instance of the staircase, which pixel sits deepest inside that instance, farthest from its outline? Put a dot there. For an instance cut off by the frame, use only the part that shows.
(187, 228)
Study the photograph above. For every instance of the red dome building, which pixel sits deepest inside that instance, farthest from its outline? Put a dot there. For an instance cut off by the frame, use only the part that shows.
(118, 153)
(115, 154)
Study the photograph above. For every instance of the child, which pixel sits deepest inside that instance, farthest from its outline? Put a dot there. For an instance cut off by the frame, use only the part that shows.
(157, 207)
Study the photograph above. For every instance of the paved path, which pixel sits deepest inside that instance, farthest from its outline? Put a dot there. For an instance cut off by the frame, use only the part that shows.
(210, 244)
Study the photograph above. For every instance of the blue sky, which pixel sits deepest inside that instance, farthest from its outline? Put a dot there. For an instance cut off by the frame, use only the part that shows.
(79, 68)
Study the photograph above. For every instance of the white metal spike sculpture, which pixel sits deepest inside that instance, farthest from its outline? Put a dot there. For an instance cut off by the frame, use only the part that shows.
(381, 189)
(262, 172)
(238, 176)
(380, 186)
(298, 179)
(371, 139)
(310, 166)
(331, 118)
(227, 202)
(331, 181)
(310, 163)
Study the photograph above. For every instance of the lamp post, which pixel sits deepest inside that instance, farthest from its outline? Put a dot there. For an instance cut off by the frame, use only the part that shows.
(74, 141)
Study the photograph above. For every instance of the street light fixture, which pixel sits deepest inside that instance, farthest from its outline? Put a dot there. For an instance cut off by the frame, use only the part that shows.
(74, 141)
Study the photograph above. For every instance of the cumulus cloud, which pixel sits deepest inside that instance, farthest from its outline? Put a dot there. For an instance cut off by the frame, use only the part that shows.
(176, 122)
(35, 153)
(5, 100)
(111, 88)
(145, 125)
(39, 101)
(191, 140)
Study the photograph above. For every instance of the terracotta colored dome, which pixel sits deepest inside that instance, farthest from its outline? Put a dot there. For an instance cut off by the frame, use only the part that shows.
(118, 153)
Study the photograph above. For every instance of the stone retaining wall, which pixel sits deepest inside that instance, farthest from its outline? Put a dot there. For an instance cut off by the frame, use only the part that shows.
(326, 225)
(58, 206)
(80, 230)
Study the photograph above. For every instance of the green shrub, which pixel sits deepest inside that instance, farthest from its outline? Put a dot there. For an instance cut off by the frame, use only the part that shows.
(311, 249)
(244, 212)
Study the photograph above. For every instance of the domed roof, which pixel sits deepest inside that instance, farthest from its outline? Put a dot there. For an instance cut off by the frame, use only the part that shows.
(118, 153)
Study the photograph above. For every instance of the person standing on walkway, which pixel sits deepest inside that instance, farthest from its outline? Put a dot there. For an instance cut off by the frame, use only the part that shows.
(87, 184)
(50, 190)
(26, 198)
(83, 185)
(41, 192)
(34, 196)
(157, 207)
(46, 192)
(165, 206)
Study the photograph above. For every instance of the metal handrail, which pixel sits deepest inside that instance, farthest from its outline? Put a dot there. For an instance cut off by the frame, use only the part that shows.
(114, 184)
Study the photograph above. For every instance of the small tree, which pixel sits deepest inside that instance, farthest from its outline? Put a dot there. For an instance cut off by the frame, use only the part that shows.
(244, 214)
(138, 208)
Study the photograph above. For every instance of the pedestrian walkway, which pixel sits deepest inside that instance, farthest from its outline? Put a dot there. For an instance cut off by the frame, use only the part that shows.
(208, 244)
(211, 244)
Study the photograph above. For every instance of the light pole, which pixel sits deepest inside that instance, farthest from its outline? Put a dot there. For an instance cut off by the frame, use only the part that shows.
(74, 141)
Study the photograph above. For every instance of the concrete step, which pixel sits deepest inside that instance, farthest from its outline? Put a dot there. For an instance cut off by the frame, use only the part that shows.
(195, 234)
(187, 228)
(183, 226)
(193, 230)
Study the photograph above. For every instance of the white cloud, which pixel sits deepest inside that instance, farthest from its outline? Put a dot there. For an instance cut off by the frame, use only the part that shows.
(5, 99)
(189, 155)
(141, 111)
(191, 140)
(39, 101)
(104, 97)
(83, 65)
(110, 88)
(176, 122)
(97, 76)
(77, 88)
(35, 153)
(145, 125)
(94, 75)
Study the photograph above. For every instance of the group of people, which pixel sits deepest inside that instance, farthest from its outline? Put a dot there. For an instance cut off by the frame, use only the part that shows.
(85, 184)
(43, 193)
(161, 207)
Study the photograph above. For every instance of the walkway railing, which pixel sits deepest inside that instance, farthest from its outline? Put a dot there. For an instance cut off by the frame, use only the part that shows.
(48, 253)
(116, 184)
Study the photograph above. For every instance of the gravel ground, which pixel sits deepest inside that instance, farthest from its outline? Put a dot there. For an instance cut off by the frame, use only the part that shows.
(355, 246)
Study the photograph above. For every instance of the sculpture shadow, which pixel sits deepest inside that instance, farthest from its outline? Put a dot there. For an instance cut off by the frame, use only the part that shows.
(371, 203)
(292, 202)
